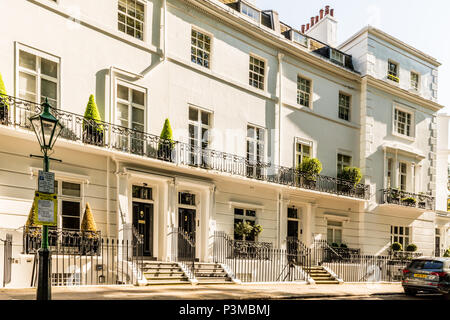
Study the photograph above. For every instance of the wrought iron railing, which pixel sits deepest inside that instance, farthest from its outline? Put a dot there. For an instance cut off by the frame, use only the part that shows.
(324, 252)
(407, 199)
(16, 112)
(183, 250)
(403, 255)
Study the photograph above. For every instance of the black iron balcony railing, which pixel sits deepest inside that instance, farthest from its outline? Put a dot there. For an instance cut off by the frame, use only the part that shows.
(407, 199)
(16, 112)
(62, 241)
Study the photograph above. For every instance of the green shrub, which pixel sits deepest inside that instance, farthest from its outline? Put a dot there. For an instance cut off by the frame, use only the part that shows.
(447, 253)
(256, 230)
(396, 246)
(411, 247)
(351, 174)
(88, 222)
(343, 245)
(3, 92)
(311, 167)
(409, 200)
(243, 229)
(166, 133)
(335, 245)
(92, 113)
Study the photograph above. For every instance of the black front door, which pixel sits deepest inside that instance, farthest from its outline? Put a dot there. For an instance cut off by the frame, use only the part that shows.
(143, 223)
(186, 222)
(292, 240)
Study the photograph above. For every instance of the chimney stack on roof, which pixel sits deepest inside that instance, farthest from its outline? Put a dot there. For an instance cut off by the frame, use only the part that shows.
(327, 10)
(332, 12)
(321, 13)
(312, 22)
(315, 20)
(323, 27)
(307, 26)
(303, 28)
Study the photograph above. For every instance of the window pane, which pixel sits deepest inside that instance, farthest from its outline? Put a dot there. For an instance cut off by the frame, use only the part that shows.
(122, 92)
(27, 83)
(122, 111)
(48, 89)
(193, 114)
(330, 235)
(138, 97)
(27, 60)
(71, 223)
(338, 236)
(49, 68)
(251, 213)
(250, 132)
(205, 118)
(138, 115)
(71, 189)
(239, 211)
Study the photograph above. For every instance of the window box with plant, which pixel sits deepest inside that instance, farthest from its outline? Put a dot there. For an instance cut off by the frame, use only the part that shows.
(393, 78)
(93, 129)
(409, 201)
(308, 170)
(350, 177)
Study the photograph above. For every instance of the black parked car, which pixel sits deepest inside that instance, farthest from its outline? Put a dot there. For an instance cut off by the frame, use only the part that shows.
(427, 274)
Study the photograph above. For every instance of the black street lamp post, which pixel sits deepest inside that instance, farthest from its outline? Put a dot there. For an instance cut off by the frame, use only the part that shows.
(47, 129)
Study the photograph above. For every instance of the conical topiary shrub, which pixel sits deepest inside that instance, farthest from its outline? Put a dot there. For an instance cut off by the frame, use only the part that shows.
(93, 130)
(166, 143)
(29, 225)
(4, 105)
(88, 222)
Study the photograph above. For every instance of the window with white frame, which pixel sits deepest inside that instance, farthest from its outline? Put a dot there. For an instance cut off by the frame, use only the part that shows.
(69, 202)
(334, 232)
(257, 72)
(344, 106)
(414, 80)
(303, 150)
(343, 161)
(400, 234)
(131, 18)
(200, 48)
(393, 71)
(403, 172)
(299, 38)
(303, 91)
(389, 174)
(403, 122)
(199, 134)
(337, 57)
(38, 77)
(244, 215)
(250, 12)
(255, 144)
(130, 107)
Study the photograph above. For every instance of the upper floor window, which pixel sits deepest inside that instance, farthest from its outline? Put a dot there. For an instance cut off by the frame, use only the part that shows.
(200, 48)
(299, 38)
(389, 173)
(337, 56)
(244, 215)
(257, 73)
(38, 78)
(130, 112)
(393, 71)
(303, 91)
(131, 18)
(344, 106)
(302, 150)
(343, 161)
(249, 11)
(415, 80)
(403, 172)
(199, 139)
(403, 122)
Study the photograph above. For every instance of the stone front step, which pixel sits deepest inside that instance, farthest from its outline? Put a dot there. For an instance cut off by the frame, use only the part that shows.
(320, 275)
(159, 273)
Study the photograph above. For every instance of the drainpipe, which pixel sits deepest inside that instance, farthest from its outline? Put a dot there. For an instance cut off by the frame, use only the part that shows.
(107, 197)
(163, 31)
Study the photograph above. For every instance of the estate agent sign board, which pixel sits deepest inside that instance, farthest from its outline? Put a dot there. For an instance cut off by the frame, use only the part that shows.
(46, 205)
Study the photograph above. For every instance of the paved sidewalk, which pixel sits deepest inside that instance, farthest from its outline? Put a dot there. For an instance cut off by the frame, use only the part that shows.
(234, 292)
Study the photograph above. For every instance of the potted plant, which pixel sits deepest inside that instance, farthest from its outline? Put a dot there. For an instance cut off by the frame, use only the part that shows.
(243, 229)
(411, 247)
(409, 201)
(166, 143)
(394, 195)
(422, 200)
(90, 239)
(92, 124)
(396, 246)
(4, 104)
(447, 253)
(256, 230)
(351, 176)
(309, 169)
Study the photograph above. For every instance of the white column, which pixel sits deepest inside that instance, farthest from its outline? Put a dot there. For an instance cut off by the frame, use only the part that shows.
(307, 225)
(171, 221)
(206, 232)
(124, 216)
(163, 222)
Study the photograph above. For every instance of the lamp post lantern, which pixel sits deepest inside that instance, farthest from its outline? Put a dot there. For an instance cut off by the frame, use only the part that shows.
(47, 129)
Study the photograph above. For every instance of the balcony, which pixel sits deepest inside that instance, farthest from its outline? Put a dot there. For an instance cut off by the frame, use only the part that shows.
(407, 199)
(114, 137)
(63, 241)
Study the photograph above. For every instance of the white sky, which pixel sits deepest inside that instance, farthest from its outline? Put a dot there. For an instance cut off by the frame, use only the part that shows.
(424, 25)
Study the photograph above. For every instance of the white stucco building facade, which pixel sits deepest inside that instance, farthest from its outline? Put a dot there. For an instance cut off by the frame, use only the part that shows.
(248, 98)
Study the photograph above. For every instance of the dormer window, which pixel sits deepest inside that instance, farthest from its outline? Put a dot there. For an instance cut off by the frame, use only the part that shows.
(337, 57)
(299, 38)
(250, 12)
(393, 71)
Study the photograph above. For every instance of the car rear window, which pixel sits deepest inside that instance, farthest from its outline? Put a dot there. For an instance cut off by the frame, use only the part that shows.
(426, 265)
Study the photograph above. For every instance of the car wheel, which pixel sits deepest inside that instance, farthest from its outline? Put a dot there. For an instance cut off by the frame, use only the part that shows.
(410, 292)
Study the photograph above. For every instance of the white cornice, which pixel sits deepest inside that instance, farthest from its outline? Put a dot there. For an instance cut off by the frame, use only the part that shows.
(394, 41)
(401, 93)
